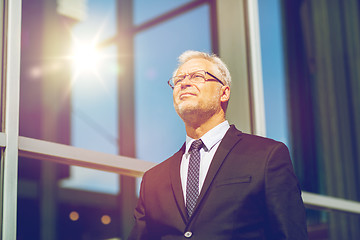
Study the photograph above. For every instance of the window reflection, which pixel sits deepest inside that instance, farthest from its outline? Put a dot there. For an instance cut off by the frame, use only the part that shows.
(46, 209)
(145, 10)
(273, 70)
(68, 94)
(326, 225)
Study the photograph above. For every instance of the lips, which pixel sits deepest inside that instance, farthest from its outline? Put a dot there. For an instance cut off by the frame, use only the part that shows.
(186, 94)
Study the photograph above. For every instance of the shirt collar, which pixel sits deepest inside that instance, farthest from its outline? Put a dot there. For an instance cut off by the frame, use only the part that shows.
(211, 138)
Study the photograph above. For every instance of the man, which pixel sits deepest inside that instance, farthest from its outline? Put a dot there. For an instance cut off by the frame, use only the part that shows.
(222, 183)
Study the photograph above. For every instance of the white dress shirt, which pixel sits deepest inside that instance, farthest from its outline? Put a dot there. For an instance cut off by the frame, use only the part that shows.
(211, 142)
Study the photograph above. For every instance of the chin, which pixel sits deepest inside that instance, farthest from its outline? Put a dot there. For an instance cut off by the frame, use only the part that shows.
(185, 109)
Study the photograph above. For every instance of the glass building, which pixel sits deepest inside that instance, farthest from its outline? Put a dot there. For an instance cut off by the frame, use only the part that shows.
(86, 109)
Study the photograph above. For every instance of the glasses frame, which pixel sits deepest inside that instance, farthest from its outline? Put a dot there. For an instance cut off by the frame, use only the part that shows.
(190, 79)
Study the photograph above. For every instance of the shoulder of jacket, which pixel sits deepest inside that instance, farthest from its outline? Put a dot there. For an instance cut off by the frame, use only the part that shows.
(254, 139)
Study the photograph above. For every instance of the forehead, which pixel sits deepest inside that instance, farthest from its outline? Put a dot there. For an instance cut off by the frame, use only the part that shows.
(196, 64)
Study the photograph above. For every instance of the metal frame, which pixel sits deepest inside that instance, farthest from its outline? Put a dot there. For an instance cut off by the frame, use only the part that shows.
(158, 20)
(255, 67)
(69, 155)
(12, 87)
(2, 139)
(317, 201)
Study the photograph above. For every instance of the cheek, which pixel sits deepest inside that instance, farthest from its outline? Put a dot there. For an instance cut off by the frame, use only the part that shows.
(176, 100)
(213, 95)
(175, 94)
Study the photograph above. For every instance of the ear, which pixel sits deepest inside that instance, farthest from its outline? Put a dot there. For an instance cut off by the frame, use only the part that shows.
(225, 95)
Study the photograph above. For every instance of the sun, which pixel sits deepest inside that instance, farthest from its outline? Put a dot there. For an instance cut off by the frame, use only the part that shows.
(86, 57)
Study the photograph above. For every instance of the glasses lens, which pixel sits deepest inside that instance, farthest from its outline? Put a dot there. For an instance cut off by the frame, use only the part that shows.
(177, 79)
(198, 76)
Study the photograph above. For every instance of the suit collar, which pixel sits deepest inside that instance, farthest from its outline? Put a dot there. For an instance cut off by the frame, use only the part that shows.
(211, 138)
(176, 182)
(230, 139)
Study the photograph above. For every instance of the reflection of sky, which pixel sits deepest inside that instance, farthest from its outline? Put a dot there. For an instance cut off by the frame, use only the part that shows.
(273, 70)
(94, 101)
(145, 10)
(101, 15)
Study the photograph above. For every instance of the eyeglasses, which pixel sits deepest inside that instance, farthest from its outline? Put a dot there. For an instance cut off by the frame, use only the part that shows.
(194, 77)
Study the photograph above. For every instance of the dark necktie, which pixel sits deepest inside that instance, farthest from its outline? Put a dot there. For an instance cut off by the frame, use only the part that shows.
(192, 183)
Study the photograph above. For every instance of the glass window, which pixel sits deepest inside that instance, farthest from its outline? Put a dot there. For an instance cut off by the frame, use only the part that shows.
(273, 70)
(68, 88)
(145, 10)
(329, 225)
(47, 211)
(159, 130)
(322, 120)
(94, 118)
(94, 107)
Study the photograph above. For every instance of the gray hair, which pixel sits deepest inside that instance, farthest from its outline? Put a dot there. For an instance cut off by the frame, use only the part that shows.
(190, 54)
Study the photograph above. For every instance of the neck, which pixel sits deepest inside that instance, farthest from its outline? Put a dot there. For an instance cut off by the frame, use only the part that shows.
(196, 129)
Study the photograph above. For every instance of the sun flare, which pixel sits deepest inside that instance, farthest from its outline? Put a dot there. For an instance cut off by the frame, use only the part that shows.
(86, 57)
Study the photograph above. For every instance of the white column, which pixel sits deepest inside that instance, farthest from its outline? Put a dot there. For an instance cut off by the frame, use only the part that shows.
(239, 47)
(9, 166)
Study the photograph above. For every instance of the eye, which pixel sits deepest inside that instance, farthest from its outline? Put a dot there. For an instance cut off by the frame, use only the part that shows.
(178, 79)
(197, 77)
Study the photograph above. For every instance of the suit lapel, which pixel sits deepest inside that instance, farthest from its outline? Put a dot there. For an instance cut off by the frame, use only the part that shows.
(227, 143)
(176, 182)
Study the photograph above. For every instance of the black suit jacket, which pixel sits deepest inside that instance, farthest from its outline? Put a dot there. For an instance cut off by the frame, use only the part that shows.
(250, 192)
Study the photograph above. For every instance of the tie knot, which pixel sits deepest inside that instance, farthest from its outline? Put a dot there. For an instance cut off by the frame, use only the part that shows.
(196, 145)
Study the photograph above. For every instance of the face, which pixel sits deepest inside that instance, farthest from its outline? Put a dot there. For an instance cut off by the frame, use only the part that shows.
(201, 100)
